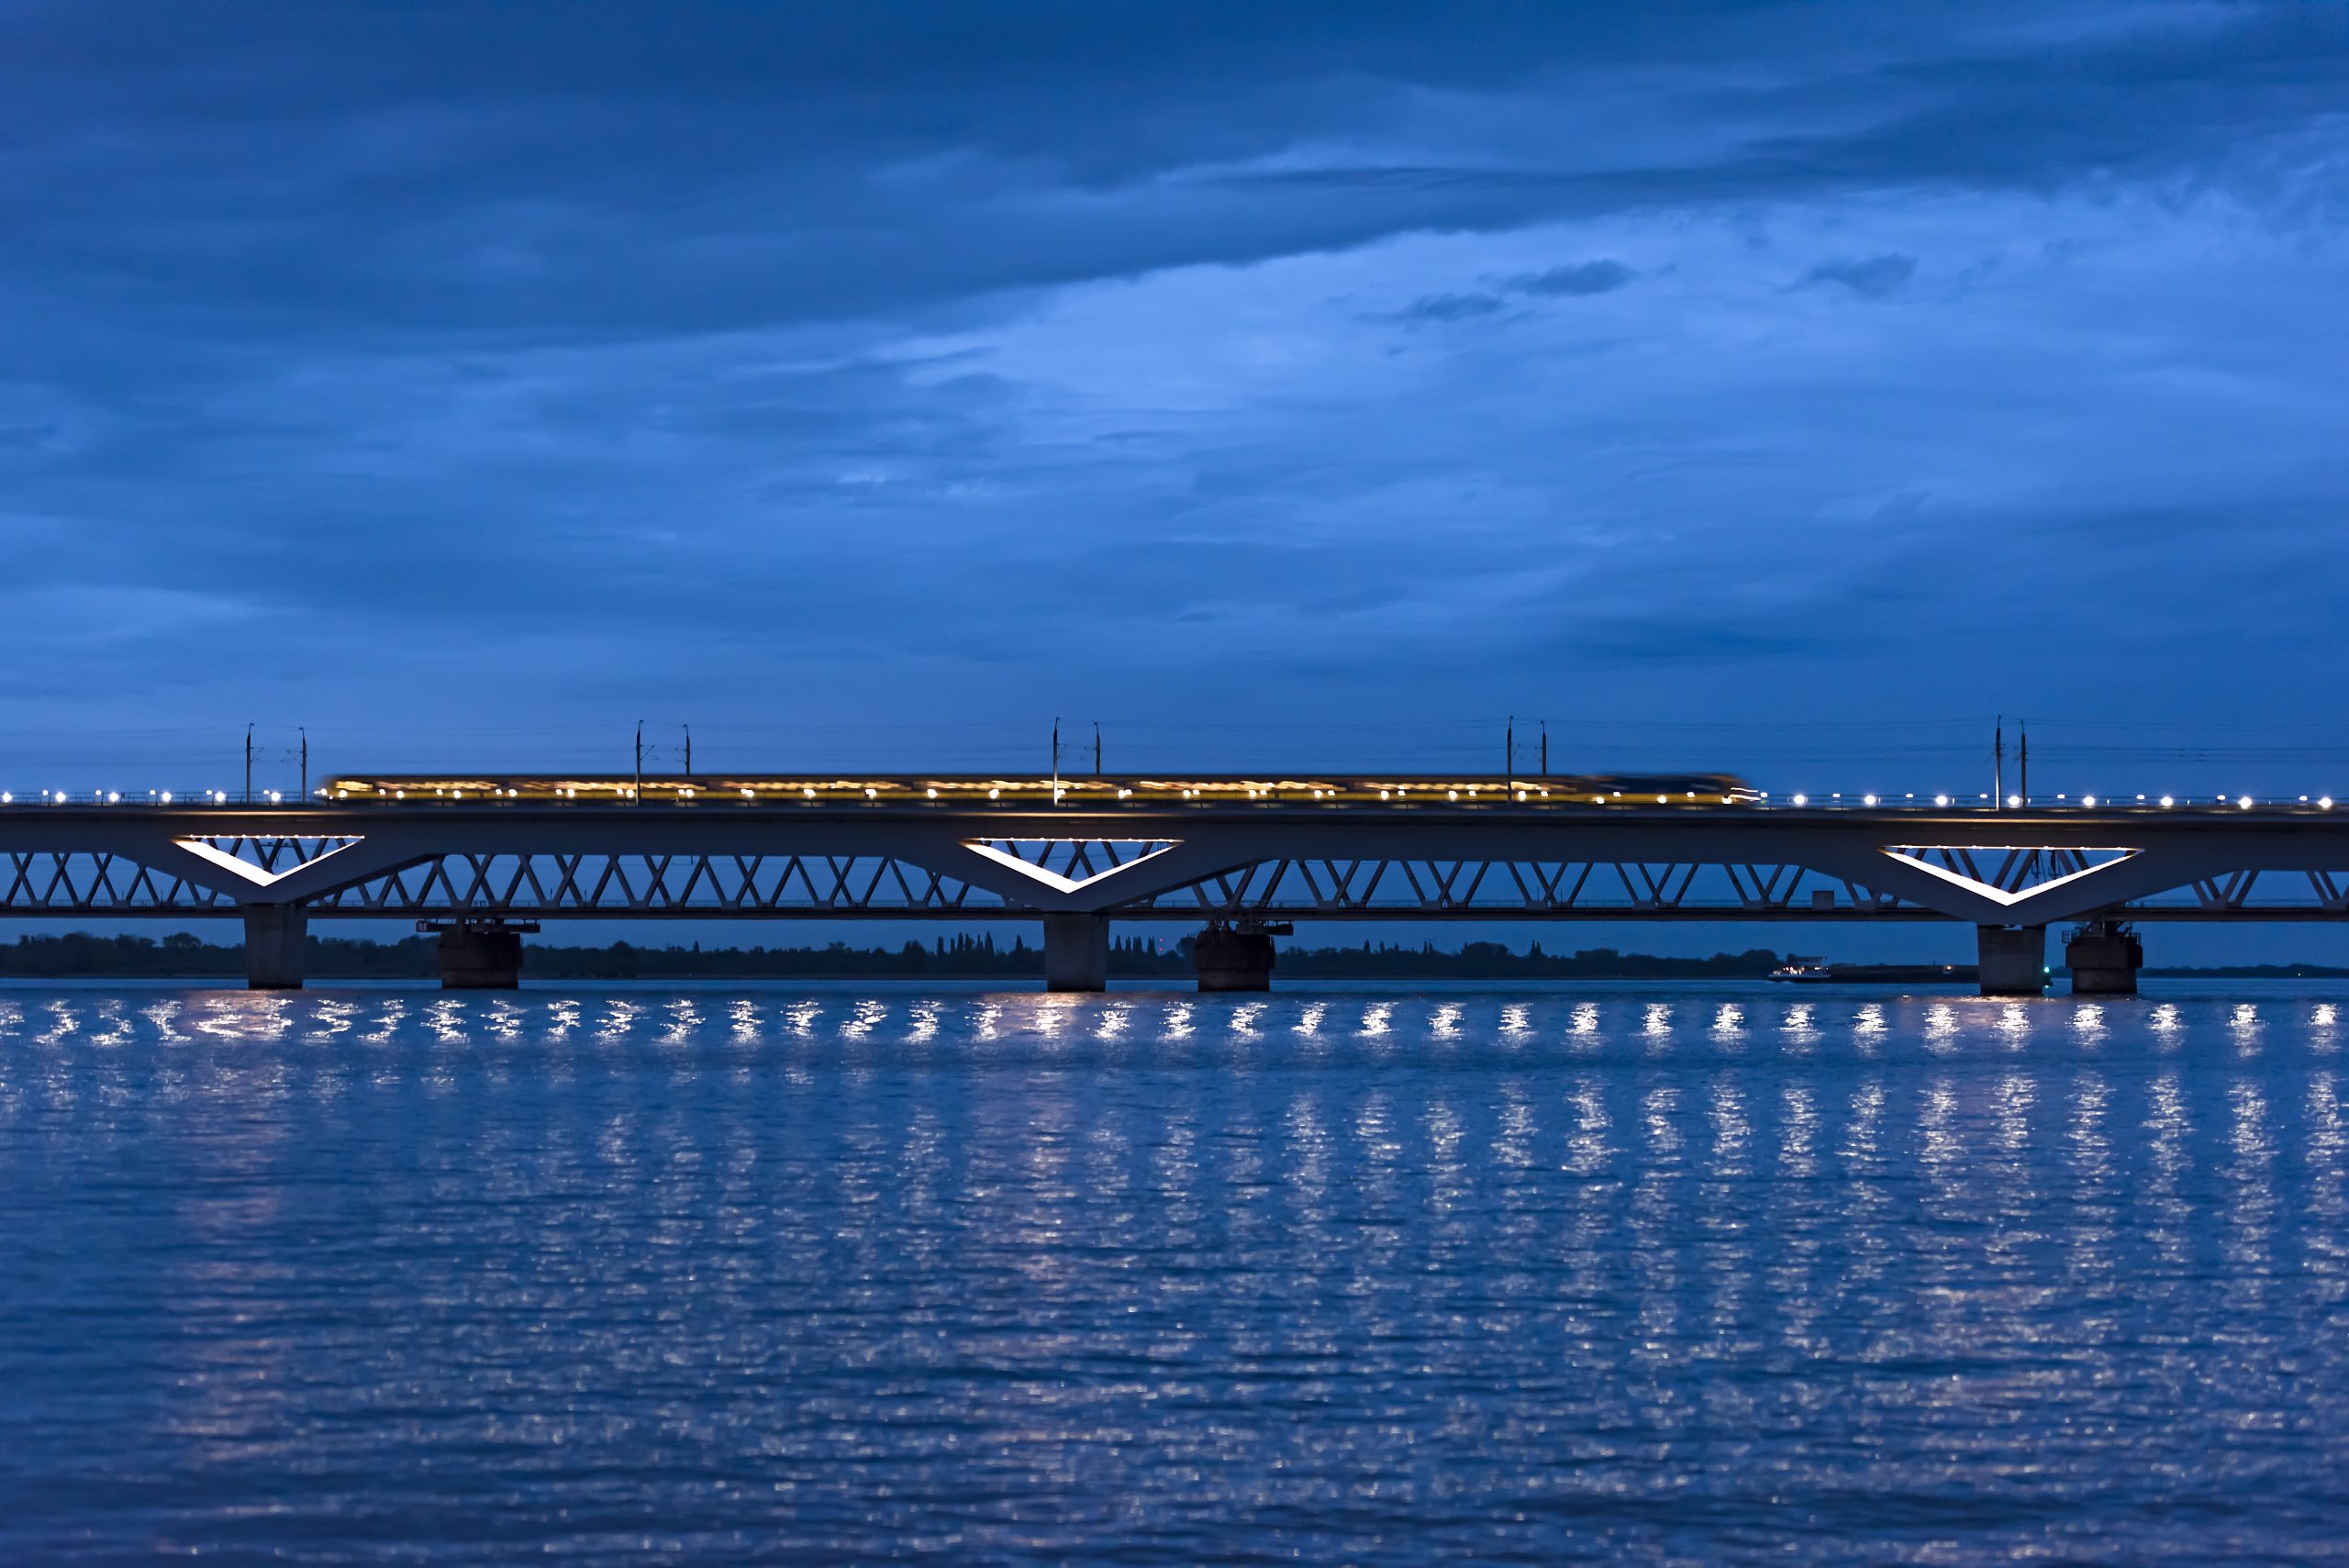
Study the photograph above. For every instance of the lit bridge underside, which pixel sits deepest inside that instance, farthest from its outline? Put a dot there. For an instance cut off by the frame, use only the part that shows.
(1435, 855)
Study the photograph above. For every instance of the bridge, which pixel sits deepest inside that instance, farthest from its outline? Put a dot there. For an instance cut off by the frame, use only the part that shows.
(483, 861)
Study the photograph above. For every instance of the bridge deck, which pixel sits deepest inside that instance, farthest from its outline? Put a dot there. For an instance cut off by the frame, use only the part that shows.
(1409, 857)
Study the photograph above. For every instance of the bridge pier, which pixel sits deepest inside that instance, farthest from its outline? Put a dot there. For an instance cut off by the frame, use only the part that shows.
(1226, 958)
(2104, 956)
(1076, 952)
(479, 955)
(275, 937)
(2014, 959)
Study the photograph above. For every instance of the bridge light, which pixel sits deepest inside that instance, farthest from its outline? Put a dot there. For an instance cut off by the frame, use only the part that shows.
(2167, 801)
(2014, 800)
(1941, 800)
(1867, 800)
(2244, 803)
(2323, 803)
(1664, 800)
(933, 793)
(808, 790)
(1520, 795)
(1384, 794)
(992, 794)
(1454, 795)
(1802, 800)
(2087, 800)
(2141, 797)
(872, 794)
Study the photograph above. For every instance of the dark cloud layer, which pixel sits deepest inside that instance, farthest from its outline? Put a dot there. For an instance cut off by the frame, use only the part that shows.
(1871, 277)
(422, 370)
(1574, 281)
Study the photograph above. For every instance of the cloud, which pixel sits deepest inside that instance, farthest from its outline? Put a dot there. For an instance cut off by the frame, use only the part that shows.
(1576, 280)
(1449, 307)
(1870, 277)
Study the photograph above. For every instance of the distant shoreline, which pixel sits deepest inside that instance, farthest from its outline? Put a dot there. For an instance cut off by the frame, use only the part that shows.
(79, 955)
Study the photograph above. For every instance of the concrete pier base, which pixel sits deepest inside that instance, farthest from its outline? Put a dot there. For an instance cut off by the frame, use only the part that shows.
(1227, 959)
(1076, 952)
(479, 956)
(2014, 959)
(275, 937)
(2104, 956)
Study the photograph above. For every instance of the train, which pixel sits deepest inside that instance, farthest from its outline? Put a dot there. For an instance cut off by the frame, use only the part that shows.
(1650, 791)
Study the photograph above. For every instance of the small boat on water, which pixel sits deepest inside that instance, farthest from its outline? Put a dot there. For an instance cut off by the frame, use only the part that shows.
(1819, 971)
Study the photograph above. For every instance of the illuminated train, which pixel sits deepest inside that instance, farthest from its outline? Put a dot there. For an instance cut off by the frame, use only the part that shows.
(1651, 791)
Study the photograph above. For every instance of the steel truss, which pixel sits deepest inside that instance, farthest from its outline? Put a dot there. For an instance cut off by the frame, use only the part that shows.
(906, 863)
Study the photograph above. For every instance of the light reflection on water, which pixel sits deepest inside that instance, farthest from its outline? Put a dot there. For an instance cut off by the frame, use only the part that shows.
(1657, 1275)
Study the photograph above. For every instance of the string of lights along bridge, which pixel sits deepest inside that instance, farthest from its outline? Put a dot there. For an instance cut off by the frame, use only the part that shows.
(1611, 791)
(484, 859)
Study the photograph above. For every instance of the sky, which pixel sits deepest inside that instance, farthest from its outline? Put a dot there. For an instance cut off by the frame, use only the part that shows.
(1790, 390)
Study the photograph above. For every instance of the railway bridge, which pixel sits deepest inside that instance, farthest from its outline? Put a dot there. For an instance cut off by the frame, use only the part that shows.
(485, 860)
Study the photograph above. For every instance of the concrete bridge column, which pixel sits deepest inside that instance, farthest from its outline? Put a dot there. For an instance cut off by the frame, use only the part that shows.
(2014, 959)
(485, 956)
(274, 935)
(2104, 956)
(1076, 952)
(1229, 960)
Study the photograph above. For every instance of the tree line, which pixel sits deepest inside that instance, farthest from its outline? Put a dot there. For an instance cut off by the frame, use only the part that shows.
(960, 956)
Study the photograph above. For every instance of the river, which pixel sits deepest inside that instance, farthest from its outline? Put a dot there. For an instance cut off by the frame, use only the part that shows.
(811, 1274)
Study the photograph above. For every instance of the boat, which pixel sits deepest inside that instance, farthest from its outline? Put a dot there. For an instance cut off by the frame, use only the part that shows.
(1819, 971)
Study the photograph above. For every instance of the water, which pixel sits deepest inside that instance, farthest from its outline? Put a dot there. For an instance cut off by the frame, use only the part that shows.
(817, 1274)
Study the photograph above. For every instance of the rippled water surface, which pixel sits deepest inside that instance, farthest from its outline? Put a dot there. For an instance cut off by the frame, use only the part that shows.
(817, 1274)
